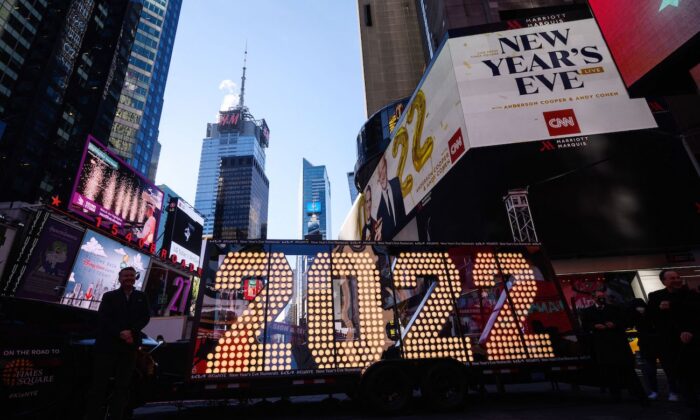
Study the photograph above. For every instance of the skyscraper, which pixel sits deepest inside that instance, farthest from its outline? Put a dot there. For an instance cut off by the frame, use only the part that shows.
(134, 135)
(315, 201)
(234, 147)
(352, 187)
(63, 67)
(392, 52)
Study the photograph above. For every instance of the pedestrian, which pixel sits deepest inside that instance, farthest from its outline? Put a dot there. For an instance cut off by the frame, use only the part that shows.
(646, 341)
(673, 312)
(122, 315)
(606, 324)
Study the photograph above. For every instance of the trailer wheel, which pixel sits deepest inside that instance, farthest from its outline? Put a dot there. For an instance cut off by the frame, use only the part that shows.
(386, 389)
(444, 386)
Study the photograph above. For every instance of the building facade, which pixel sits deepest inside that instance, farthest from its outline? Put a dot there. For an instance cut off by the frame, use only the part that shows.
(134, 135)
(315, 201)
(241, 199)
(393, 59)
(63, 67)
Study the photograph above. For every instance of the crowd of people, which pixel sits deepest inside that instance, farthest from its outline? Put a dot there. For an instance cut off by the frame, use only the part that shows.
(668, 331)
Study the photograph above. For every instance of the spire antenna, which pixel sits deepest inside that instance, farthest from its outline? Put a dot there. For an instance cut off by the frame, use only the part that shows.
(241, 102)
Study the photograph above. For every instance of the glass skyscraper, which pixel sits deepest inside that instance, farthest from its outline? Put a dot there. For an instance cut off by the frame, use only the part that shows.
(240, 137)
(134, 135)
(62, 67)
(315, 201)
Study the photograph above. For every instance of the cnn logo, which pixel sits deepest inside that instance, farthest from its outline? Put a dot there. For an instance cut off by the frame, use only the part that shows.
(456, 145)
(561, 122)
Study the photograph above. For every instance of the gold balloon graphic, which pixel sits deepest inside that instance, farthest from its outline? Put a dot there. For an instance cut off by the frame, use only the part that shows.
(401, 139)
(421, 152)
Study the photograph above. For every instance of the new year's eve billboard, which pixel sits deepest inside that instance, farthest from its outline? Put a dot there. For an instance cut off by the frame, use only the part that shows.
(110, 194)
(96, 270)
(506, 86)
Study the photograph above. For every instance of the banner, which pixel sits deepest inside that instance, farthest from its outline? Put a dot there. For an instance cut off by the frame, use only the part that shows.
(534, 83)
(50, 263)
(96, 270)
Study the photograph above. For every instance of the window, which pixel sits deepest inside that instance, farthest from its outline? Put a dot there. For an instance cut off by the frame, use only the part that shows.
(368, 15)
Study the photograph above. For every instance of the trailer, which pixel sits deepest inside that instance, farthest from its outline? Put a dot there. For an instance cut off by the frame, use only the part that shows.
(377, 321)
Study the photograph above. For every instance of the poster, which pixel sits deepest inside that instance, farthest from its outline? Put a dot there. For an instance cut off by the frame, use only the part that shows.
(50, 262)
(96, 270)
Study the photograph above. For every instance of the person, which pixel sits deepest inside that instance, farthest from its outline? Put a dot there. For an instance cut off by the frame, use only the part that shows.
(391, 210)
(673, 313)
(149, 227)
(122, 315)
(646, 341)
(612, 354)
(369, 228)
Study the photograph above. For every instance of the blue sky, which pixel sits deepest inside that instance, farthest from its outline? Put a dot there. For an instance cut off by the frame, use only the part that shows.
(304, 77)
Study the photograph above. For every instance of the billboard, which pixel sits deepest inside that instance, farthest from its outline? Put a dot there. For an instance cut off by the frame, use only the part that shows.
(109, 193)
(183, 231)
(668, 25)
(96, 270)
(51, 261)
(230, 120)
(516, 85)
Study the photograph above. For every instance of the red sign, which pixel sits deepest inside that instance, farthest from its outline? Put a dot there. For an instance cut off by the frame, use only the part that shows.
(561, 122)
(251, 288)
(456, 145)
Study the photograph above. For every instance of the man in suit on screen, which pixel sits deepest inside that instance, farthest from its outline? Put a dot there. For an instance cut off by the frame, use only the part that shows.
(391, 213)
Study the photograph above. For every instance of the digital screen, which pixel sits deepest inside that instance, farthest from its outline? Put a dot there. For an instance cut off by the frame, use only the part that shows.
(642, 33)
(183, 232)
(109, 193)
(96, 270)
(314, 207)
(229, 120)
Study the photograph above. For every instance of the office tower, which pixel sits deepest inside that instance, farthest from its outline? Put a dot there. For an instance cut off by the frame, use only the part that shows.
(393, 59)
(63, 68)
(134, 135)
(352, 187)
(241, 200)
(240, 137)
(315, 201)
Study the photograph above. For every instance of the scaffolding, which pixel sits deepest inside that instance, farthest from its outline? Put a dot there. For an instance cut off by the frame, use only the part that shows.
(522, 226)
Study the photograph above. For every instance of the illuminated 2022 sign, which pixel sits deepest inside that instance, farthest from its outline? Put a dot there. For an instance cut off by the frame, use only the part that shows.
(244, 347)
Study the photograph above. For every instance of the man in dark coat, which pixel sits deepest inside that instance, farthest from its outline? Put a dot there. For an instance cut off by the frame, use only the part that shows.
(391, 211)
(673, 312)
(122, 315)
(606, 325)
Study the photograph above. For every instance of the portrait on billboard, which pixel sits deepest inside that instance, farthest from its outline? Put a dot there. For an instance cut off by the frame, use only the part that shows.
(390, 213)
(110, 193)
(369, 223)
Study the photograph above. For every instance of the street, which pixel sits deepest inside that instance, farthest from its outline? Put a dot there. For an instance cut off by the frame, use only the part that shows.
(536, 401)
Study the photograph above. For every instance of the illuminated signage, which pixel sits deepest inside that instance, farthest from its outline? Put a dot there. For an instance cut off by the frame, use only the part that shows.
(112, 195)
(183, 231)
(229, 120)
(313, 207)
(344, 305)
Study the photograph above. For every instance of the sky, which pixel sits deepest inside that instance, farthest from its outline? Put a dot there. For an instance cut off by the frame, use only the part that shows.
(304, 76)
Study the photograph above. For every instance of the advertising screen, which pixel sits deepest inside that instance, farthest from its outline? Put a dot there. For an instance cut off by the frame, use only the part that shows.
(183, 232)
(51, 261)
(96, 270)
(109, 193)
(229, 120)
(168, 291)
(535, 82)
(638, 48)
